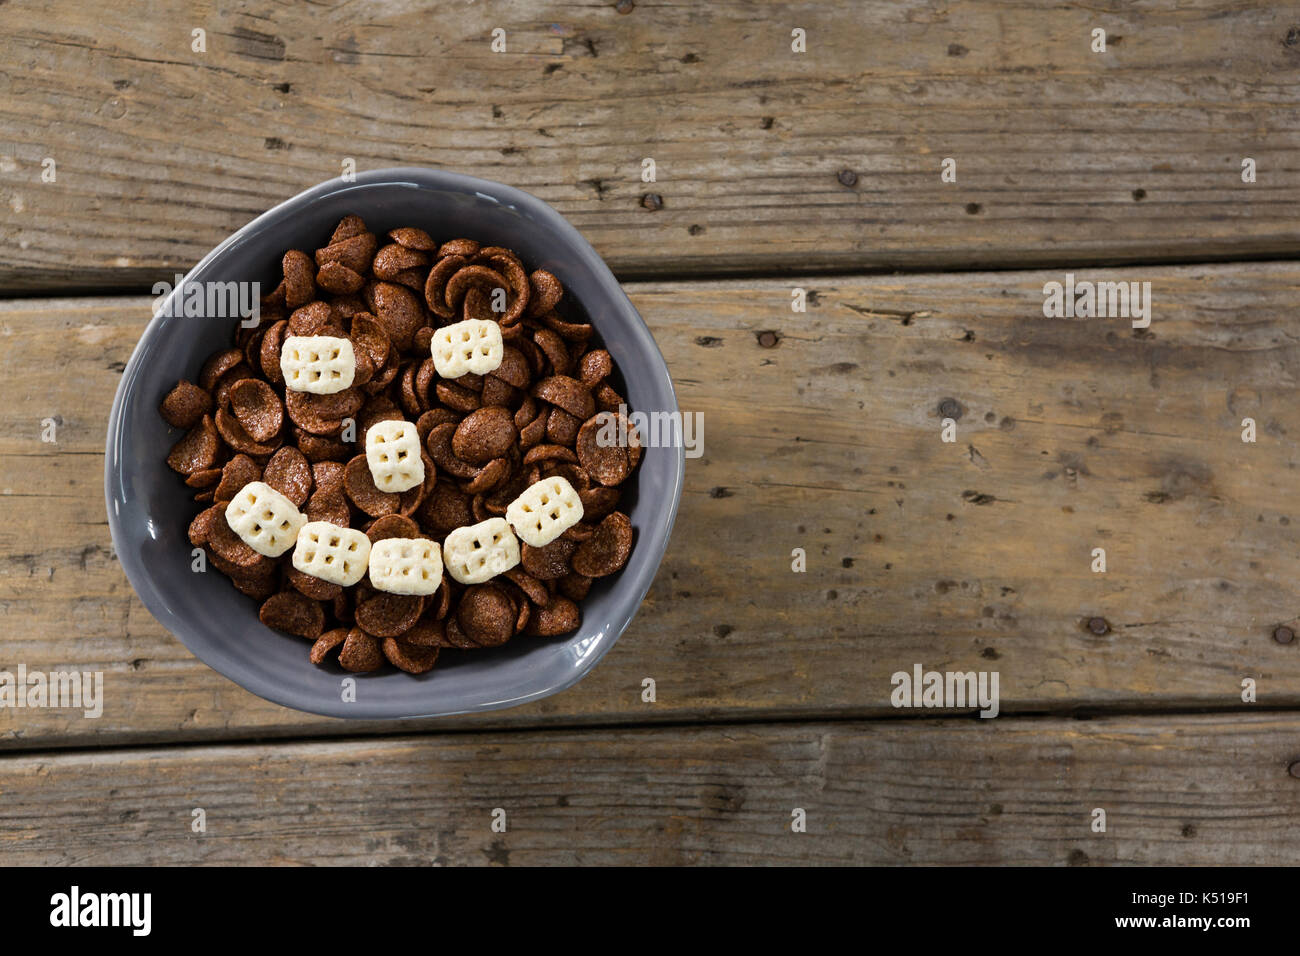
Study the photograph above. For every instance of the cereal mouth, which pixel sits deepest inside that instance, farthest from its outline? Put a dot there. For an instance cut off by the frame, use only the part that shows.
(401, 456)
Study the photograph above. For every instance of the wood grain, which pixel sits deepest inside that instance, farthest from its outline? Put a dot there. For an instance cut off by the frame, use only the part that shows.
(1184, 790)
(974, 555)
(1063, 155)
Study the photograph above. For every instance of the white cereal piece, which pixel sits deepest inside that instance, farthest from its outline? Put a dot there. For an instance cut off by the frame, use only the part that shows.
(544, 511)
(393, 454)
(334, 554)
(470, 346)
(406, 565)
(477, 552)
(264, 519)
(320, 364)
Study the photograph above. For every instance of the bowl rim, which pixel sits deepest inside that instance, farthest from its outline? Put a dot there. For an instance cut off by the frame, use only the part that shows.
(655, 535)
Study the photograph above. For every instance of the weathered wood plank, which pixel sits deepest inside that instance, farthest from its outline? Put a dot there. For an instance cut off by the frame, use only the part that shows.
(975, 555)
(1176, 790)
(1063, 155)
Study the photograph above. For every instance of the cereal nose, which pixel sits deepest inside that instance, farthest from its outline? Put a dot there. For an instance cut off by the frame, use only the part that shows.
(393, 456)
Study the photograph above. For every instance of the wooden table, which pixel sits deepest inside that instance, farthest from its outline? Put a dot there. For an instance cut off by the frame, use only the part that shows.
(776, 170)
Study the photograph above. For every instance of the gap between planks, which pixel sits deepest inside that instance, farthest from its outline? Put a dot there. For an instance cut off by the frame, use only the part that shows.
(78, 746)
(722, 274)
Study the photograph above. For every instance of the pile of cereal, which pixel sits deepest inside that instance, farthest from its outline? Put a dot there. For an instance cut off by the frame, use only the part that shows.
(412, 450)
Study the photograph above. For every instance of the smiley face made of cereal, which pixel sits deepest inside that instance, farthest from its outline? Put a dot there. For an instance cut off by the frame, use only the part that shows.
(402, 458)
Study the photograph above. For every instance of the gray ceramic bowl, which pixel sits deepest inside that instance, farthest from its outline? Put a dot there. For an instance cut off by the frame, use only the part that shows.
(149, 507)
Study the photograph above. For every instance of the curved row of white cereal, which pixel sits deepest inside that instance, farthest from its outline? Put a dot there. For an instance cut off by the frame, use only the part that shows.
(270, 524)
